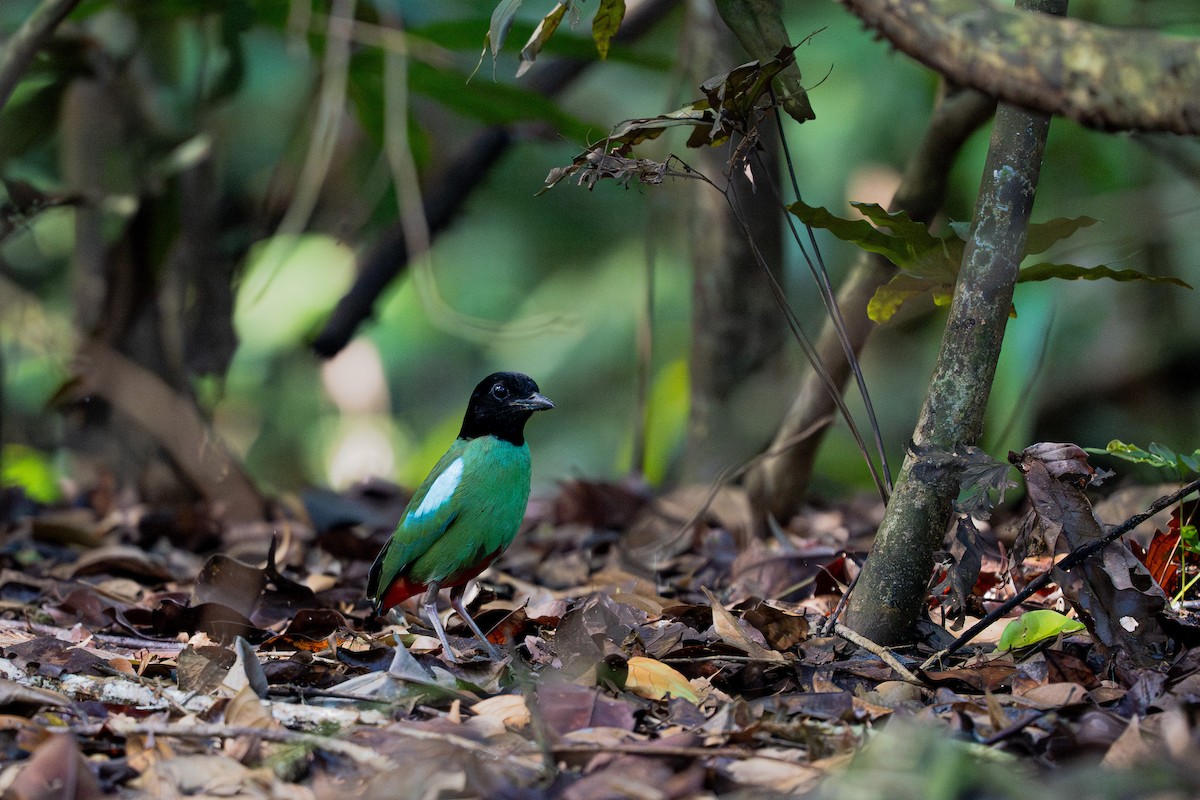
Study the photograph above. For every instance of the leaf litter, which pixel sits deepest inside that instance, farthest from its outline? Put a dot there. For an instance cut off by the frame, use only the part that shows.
(653, 648)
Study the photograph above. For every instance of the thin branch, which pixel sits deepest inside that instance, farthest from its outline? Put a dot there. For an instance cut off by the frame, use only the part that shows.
(720, 658)
(446, 193)
(356, 752)
(20, 49)
(821, 276)
(155, 647)
(331, 107)
(831, 623)
(806, 345)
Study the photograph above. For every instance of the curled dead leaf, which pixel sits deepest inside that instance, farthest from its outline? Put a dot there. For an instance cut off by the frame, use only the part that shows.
(727, 627)
(1062, 459)
(510, 709)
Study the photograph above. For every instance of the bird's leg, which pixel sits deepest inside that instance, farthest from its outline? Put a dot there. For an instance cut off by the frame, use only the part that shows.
(429, 603)
(456, 602)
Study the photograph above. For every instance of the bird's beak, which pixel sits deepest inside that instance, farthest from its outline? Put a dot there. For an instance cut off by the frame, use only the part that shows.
(535, 402)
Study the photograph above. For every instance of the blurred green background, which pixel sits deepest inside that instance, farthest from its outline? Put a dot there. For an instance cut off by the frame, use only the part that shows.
(565, 275)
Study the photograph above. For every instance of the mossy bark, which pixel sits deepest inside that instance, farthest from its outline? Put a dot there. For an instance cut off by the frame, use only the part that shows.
(1106, 78)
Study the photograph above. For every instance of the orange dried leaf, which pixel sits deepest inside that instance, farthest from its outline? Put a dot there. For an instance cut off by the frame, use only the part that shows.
(655, 680)
(1160, 559)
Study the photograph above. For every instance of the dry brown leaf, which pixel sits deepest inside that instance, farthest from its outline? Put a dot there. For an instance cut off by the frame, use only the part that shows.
(14, 696)
(782, 630)
(1129, 749)
(775, 775)
(195, 775)
(865, 709)
(600, 736)
(56, 771)
(510, 709)
(727, 627)
(142, 752)
(246, 710)
(1056, 695)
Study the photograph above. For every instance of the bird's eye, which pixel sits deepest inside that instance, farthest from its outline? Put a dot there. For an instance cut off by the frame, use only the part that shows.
(500, 391)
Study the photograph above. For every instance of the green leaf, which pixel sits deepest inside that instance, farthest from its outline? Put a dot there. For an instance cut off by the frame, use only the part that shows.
(1043, 235)
(31, 470)
(899, 223)
(1190, 538)
(909, 244)
(892, 295)
(31, 117)
(1036, 626)
(932, 262)
(606, 24)
(858, 231)
(502, 20)
(928, 263)
(541, 34)
(1128, 452)
(1071, 272)
(492, 103)
(1157, 455)
(463, 34)
(1164, 452)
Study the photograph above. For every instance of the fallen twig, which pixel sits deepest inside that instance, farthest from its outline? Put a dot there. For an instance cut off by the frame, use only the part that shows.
(732, 659)
(132, 643)
(671, 751)
(357, 753)
(883, 653)
(831, 623)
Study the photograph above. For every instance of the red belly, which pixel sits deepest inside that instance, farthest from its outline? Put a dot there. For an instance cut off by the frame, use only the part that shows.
(405, 587)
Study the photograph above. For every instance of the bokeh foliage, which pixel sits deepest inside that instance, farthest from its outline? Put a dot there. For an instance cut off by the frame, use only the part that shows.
(239, 83)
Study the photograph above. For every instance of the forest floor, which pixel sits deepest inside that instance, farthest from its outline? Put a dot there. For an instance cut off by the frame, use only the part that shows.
(655, 648)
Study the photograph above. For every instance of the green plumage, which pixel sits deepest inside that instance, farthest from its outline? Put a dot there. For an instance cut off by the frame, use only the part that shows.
(478, 520)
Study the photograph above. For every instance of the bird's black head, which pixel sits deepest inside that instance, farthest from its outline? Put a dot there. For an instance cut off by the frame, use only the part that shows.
(501, 405)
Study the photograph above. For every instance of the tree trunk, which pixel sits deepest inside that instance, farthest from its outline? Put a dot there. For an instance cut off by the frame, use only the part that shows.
(892, 588)
(736, 327)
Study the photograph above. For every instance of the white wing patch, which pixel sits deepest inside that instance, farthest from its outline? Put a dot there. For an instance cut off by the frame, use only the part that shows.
(440, 491)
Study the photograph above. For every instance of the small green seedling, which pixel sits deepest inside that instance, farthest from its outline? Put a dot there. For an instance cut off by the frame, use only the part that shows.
(1036, 626)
